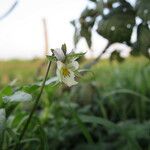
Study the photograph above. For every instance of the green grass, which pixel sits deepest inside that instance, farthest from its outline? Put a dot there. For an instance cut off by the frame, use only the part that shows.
(23, 71)
(108, 109)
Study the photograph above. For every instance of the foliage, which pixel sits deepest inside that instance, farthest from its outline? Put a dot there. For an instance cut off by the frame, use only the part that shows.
(117, 25)
(142, 43)
(110, 111)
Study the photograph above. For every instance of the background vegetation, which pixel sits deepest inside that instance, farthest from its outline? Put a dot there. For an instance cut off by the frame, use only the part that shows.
(107, 110)
(110, 111)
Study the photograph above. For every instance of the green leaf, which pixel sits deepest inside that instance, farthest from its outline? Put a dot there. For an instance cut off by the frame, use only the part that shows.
(93, 0)
(2, 124)
(2, 119)
(82, 127)
(110, 125)
(64, 48)
(86, 33)
(115, 55)
(88, 13)
(30, 88)
(48, 82)
(51, 58)
(12, 134)
(86, 70)
(118, 24)
(43, 138)
(5, 91)
(75, 55)
(18, 96)
(143, 39)
(81, 72)
(126, 91)
(87, 21)
(98, 120)
(100, 6)
(76, 36)
(143, 9)
(18, 121)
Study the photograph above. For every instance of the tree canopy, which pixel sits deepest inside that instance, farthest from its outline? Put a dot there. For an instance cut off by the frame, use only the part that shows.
(117, 25)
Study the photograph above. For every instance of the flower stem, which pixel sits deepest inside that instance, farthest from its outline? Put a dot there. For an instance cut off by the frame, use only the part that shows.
(33, 109)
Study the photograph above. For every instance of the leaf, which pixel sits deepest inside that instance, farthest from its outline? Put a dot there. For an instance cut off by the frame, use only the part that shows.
(64, 48)
(88, 13)
(86, 33)
(2, 119)
(18, 96)
(137, 130)
(76, 36)
(2, 124)
(143, 10)
(51, 80)
(75, 55)
(93, 0)
(115, 55)
(5, 91)
(43, 138)
(118, 24)
(83, 127)
(100, 6)
(30, 88)
(12, 134)
(51, 58)
(143, 40)
(110, 125)
(87, 21)
(48, 82)
(126, 91)
(98, 120)
(81, 72)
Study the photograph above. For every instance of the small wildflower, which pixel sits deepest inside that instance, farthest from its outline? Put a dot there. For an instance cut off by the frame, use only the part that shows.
(66, 65)
(65, 74)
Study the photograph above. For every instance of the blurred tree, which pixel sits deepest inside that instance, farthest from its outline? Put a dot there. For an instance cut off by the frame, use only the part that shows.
(117, 25)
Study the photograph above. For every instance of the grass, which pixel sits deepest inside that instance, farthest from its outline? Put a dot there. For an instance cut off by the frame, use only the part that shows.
(23, 71)
(108, 109)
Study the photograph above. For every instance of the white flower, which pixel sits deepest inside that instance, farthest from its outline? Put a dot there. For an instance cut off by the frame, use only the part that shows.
(59, 54)
(67, 66)
(65, 72)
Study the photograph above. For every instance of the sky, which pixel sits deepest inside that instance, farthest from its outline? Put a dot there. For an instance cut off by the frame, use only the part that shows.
(21, 32)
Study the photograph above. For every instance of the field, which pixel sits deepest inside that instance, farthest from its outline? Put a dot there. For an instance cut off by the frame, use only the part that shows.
(108, 109)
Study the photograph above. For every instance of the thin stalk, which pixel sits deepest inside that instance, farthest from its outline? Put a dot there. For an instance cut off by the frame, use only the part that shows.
(33, 109)
(96, 60)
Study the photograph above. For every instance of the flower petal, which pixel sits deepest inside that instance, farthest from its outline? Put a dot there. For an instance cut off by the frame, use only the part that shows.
(59, 54)
(75, 65)
(59, 65)
(59, 75)
(69, 80)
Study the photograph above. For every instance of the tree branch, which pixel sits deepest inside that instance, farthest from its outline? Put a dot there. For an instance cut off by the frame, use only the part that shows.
(96, 60)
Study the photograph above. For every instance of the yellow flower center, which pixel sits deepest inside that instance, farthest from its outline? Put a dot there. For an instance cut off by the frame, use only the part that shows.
(65, 71)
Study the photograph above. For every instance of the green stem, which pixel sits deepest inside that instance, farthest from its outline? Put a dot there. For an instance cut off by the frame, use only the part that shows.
(33, 109)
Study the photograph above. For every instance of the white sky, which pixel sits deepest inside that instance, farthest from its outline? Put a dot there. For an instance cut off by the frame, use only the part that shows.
(21, 32)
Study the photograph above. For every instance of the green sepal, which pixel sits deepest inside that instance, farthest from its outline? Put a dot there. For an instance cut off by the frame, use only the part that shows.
(64, 48)
(75, 55)
(51, 58)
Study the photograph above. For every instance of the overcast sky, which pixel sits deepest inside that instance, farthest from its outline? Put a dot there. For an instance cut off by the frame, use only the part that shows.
(21, 32)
